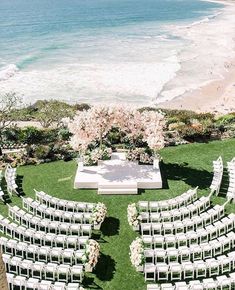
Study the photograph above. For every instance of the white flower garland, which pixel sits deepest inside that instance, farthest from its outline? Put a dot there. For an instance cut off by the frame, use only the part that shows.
(92, 253)
(99, 213)
(137, 253)
(133, 215)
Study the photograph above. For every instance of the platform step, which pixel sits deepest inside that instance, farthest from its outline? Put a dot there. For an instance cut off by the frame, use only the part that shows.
(118, 156)
(118, 191)
(118, 185)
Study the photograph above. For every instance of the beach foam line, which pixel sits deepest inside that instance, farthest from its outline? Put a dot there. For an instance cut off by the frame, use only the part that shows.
(8, 72)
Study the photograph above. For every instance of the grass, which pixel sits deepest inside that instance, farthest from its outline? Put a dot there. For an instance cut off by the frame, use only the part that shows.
(184, 167)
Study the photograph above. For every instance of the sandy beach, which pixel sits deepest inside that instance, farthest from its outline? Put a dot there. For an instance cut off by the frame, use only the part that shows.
(217, 96)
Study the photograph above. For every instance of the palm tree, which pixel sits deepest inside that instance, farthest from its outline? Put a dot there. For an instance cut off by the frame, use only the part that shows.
(3, 277)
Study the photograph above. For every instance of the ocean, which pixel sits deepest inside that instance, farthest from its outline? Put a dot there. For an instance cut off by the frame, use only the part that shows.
(132, 51)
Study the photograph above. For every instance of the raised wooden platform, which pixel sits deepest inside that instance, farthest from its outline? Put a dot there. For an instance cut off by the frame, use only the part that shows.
(118, 176)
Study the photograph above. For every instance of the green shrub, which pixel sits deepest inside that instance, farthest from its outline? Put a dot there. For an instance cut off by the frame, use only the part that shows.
(64, 134)
(42, 151)
(11, 134)
(226, 119)
(50, 136)
(31, 135)
(81, 107)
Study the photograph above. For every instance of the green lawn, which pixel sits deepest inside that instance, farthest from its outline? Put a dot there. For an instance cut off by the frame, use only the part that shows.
(184, 167)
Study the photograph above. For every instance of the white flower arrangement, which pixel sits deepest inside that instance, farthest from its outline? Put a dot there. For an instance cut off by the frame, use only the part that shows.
(133, 215)
(92, 157)
(140, 154)
(137, 253)
(146, 158)
(92, 253)
(99, 213)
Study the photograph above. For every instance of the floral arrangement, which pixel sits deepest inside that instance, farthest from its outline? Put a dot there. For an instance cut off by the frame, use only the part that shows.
(97, 154)
(133, 215)
(137, 253)
(134, 154)
(146, 158)
(91, 255)
(140, 154)
(99, 213)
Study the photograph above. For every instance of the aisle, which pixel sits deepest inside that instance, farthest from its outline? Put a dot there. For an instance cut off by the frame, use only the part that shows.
(114, 267)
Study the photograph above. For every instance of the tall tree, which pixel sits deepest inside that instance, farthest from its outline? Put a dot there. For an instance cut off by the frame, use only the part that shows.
(9, 102)
(52, 112)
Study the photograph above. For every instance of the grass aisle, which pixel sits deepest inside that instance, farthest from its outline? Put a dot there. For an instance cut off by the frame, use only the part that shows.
(184, 167)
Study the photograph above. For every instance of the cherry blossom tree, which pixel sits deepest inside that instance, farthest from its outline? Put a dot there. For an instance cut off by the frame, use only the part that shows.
(96, 122)
(90, 125)
(154, 123)
(83, 135)
(101, 121)
(134, 127)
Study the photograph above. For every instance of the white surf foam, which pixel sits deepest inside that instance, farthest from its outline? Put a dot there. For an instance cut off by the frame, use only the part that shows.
(139, 81)
(8, 72)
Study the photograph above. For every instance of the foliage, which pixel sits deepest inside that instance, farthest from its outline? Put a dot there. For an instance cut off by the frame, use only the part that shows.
(52, 112)
(42, 151)
(64, 134)
(8, 102)
(81, 107)
(31, 135)
(226, 119)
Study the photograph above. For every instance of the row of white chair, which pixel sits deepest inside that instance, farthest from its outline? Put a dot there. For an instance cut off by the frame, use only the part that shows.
(231, 173)
(41, 253)
(221, 282)
(186, 198)
(31, 236)
(217, 176)
(1, 191)
(190, 270)
(10, 177)
(199, 236)
(66, 205)
(22, 283)
(183, 212)
(176, 202)
(41, 210)
(47, 225)
(40, 270)
(197, 222)
(194, 252)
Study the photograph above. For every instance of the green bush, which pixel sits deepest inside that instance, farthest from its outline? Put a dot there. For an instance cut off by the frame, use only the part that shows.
(81, 107)
(64, 134)
(11, 134)
(42, 151)
(31, 135)
(226, 119)
(50, 136)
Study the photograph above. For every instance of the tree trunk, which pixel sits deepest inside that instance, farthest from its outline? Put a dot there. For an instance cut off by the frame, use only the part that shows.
(3, 277)
(101, 141)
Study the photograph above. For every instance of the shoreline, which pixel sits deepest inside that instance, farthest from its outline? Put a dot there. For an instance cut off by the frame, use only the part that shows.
(217, 96)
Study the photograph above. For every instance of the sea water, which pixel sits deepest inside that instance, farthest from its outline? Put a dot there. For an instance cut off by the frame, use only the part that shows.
(133, 51)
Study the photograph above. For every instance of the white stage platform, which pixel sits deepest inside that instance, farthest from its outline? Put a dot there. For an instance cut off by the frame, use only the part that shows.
(118, 176)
